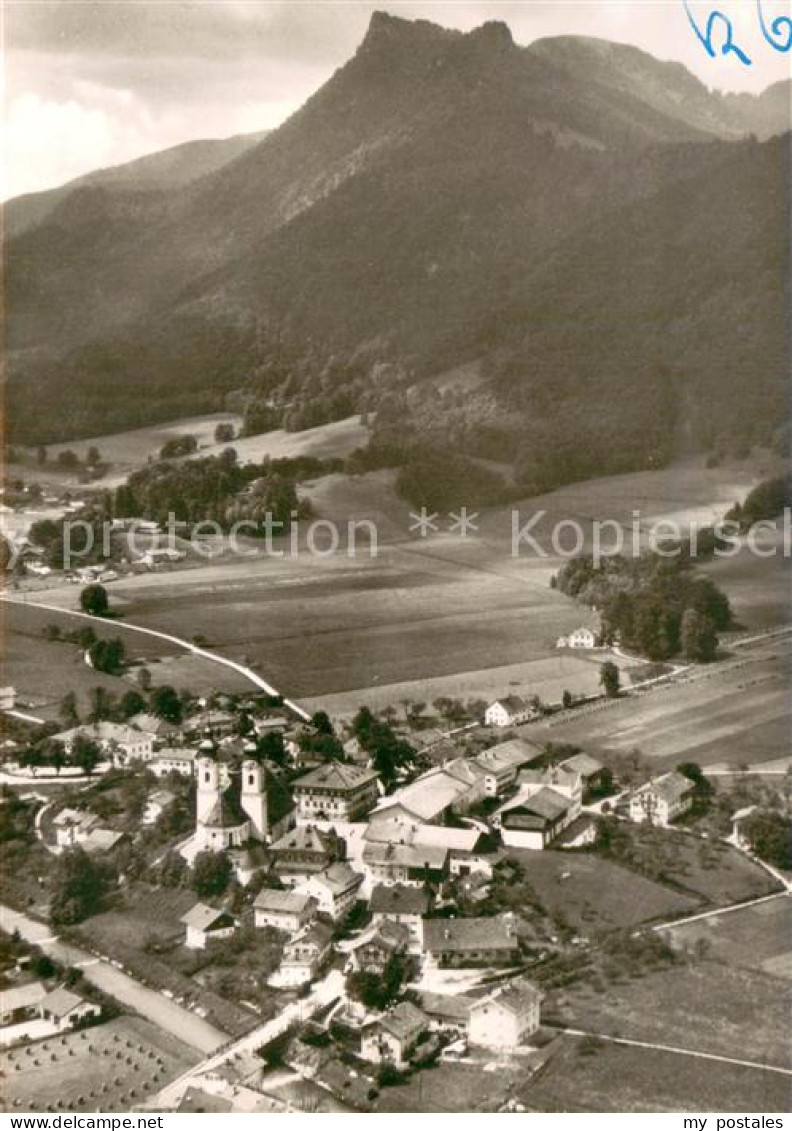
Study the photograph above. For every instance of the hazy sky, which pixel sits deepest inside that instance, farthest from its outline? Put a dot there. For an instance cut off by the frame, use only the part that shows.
(96, 82)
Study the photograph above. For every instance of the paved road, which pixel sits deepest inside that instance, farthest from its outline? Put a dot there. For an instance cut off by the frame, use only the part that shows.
(241, 669)
(170, 1016)
(675, 1049)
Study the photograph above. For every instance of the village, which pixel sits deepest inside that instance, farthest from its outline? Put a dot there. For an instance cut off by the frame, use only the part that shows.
(366, 902)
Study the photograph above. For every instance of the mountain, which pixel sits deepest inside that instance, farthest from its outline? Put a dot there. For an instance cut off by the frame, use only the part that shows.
(169, 169)
(593, 227)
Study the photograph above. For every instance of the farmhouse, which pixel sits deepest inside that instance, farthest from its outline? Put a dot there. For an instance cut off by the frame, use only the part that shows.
(305, 850)
(393, 1037)
(427, 800)
(590, 770)
(469, 942)
(204, 924)
(463, 845)
(335, 889)
(534, 818)
(390, 863)
(336, 791)
(65, 1009)
(500, 763)
(662, 799)
(288, 911)
(509, 711)
(306, 954)
(373, 951)
(118, 742)
(20, 1002)
(159, 729)
(506, 1017)
(173, 760)
(580, 638)
(401, 905)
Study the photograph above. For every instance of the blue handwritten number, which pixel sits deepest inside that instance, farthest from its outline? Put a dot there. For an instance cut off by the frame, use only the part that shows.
(716, 19)
(781, 25)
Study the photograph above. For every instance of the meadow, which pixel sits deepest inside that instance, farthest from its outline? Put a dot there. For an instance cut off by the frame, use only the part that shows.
(755, 937)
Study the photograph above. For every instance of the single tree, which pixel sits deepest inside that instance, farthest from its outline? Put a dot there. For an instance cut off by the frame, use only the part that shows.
(166, 704)
(699, 638)
(68, 710)
(610, 679)
(85, 754)
(211, 873)
(132, 703)
(93, 600)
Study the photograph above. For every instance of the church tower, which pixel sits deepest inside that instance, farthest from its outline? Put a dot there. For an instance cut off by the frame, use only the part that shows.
(254, 797)
(208, 773)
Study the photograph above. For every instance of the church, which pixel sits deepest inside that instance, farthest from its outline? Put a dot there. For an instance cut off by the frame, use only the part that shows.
(238, 802)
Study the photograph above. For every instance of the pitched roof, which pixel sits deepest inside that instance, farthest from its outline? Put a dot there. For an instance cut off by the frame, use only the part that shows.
(203, 917)
(306, 838)
(398, 899)
(450, 1007)
(102, 840)
(283, 902)
(385, 829)
(512, 703)
(61, 1002)
(668, 787)
(428, 796)
(406, 855)
(151, 724)
(507, 755)
(550, 776)
(441, 836)
(175, 754)
(404, 1021)
(338, 878)
(520, 998)
(338, 776)
(317, 935)
(582, 764)
(21, 997)
(467, 934)
(545, 803)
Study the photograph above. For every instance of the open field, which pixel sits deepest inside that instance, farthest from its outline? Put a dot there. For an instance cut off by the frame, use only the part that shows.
(456, 1087)
(738, 712)
(757, 937)
(111, 1067)
(708, 1007)
(618, 1078)
(592, 894)
(43, 671)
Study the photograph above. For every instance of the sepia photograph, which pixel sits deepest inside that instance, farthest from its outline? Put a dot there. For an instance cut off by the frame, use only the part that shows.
(395, 532)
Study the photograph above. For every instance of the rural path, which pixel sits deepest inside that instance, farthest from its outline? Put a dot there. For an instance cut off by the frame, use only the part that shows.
(322, 993)
(168, 1015)
(669, 924)
(187, 645)
(655, 1046)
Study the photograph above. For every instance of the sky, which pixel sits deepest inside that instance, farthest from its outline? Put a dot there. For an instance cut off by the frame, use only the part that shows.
(92, 83)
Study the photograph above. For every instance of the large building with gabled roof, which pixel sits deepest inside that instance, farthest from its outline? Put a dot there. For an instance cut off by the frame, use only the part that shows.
(336, 791)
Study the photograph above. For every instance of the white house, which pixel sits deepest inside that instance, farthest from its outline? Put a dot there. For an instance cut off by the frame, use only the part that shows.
(392, 1038)
(506, 1017)
(66, 1010)
(306, 954)
(662, 799)
(173, 760)
(116, 741)
(288, 911)
(509, 711)
(335, 889)
(580, 638)
(500, 763)
(336, 791)
(206, 923)
(738, 836)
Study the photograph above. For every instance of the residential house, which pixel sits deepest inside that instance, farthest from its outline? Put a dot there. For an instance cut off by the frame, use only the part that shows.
(205, 924)
(173, 760)
(533, 818)
(19, 1003)
(501, 763)
(288, 911)
(392, 1038)
(72, 826)
(506, 1017)
(591, 771)
(402, 905)
(306, 954)
(663, 799)
(118, 742)
(389, 863)
(470, 942)
(448, 1011)
(738, 820)
(336, 791)
(305, 850)
(66, 1009)
(376, 947)
(336, 889)
(507, 712)
(580, 638)
(462, 844)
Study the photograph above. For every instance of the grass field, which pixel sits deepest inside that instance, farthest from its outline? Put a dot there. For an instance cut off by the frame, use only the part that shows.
(739, 712)
(112, 1067)
(43, 671)
(759, 937)
(708, 1007)
(618, 1078)
(592, 894)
